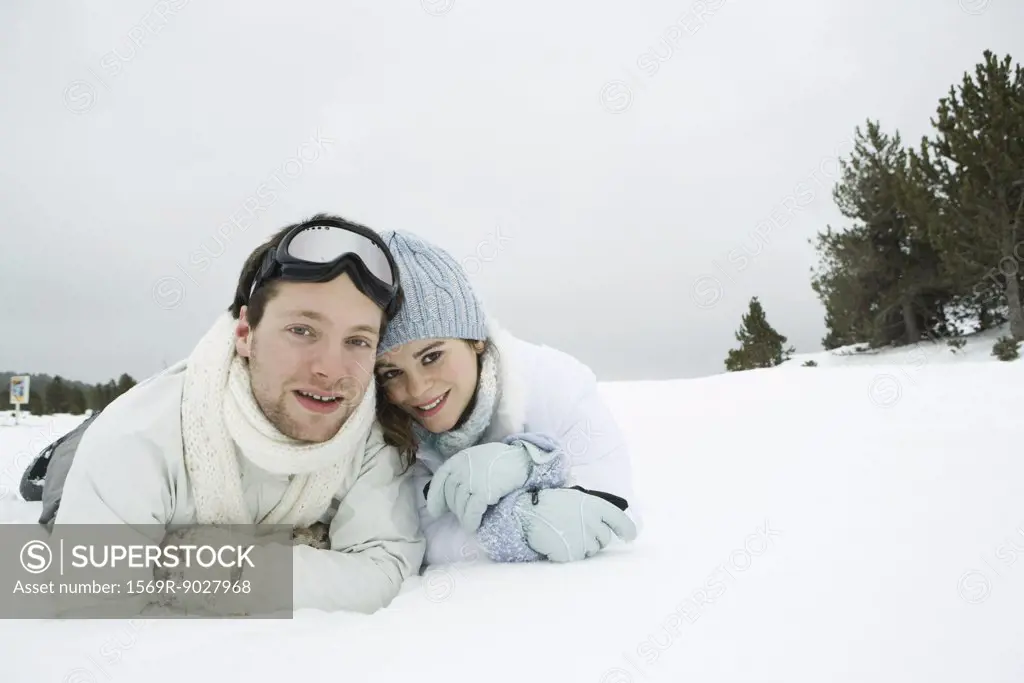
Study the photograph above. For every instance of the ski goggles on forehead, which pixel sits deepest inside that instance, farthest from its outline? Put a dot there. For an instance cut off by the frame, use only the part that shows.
(320, 251)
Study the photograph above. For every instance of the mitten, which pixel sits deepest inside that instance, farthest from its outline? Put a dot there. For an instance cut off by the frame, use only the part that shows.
(561, 525)
(475, 478)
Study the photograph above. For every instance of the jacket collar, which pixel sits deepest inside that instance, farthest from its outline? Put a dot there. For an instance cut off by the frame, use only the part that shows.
(510, 413)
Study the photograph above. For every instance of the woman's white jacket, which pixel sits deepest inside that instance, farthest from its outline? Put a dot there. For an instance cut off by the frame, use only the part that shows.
(542, 390)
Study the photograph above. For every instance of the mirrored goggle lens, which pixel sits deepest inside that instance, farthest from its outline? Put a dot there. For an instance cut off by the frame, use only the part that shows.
(325, 243)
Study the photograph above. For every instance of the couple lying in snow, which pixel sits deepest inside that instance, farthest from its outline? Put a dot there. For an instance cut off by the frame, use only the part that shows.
(357, 392)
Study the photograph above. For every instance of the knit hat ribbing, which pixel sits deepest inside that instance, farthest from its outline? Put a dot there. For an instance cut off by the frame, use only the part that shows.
(439, 300)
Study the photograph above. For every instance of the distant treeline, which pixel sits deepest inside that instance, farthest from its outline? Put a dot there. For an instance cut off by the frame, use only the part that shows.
(934, 238)
(936, 230)
(50, 394)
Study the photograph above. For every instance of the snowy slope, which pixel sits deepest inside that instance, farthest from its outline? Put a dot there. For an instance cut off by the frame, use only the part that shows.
(977, 348)
(850, 522)
(19, 445)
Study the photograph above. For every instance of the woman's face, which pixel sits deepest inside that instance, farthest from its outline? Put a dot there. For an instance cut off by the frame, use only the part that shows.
(433, 380)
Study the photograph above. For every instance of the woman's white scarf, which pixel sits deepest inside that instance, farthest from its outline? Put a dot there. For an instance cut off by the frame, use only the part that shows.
(219, 412)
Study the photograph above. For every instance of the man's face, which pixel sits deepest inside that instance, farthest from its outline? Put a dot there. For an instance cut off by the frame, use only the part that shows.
(311, 356)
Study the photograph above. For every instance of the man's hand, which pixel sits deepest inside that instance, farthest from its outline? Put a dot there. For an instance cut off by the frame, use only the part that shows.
(317, 535)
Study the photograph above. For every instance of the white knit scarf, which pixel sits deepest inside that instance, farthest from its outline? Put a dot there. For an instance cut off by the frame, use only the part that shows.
(219, 412)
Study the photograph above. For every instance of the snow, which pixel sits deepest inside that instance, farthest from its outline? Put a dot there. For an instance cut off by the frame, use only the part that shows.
(977, 348)
(855, 521)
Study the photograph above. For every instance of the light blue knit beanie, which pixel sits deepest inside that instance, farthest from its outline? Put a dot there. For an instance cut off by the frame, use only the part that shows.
(439, 300)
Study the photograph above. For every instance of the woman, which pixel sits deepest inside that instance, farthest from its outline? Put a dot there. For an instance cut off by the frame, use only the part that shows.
(516, 453)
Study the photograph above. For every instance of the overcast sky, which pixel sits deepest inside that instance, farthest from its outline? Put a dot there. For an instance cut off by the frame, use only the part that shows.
(618, 178)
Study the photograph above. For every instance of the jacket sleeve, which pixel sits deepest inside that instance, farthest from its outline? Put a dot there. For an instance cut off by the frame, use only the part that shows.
(585, 426)
(376, 541)
(117, 479)
(121, 482)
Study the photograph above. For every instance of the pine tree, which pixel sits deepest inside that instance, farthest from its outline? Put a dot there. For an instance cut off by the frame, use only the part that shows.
(880, 280)
(760, 345)
(76, 400)
(95, 395)
(977, 162)
(58, 399)
(124, 383)
(109, 392)
(838, 283)
(102, 394)
(37, 400)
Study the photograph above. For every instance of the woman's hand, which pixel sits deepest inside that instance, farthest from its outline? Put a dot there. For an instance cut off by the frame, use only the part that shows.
(474, 479)
(565, 525)
(560, 525)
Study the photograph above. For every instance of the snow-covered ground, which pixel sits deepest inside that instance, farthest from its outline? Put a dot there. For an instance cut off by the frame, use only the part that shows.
(855, 521)
(977, 348)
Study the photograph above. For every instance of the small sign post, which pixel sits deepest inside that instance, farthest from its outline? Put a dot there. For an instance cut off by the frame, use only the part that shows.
(19, 394)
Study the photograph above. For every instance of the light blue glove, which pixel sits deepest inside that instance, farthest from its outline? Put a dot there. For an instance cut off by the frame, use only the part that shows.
(475, 478)
(561, 525)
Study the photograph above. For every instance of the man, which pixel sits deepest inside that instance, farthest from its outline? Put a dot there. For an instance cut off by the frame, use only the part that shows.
(271, 420)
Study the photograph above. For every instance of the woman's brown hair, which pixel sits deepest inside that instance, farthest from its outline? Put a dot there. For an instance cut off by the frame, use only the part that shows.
(396, 425)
